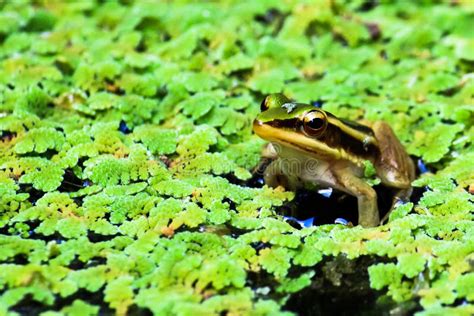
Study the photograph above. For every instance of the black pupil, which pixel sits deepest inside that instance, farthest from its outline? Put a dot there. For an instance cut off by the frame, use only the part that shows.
(316, 123)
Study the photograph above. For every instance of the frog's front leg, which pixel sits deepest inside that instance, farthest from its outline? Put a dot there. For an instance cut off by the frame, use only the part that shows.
(276, 174)
(366, 196)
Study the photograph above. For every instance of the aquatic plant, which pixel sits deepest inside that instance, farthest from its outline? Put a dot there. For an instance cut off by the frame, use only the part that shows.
(126, 153)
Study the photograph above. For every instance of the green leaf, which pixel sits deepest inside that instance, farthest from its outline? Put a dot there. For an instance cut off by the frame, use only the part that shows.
(79, 307)
(175, 187)
(401, 211)
(40, 140)
(267, 82)
(102, 101)
(464, 286)
(235, 63)
(464, 49)
(275, 260)
(411, 264)
(119, 294)
(382, 275)
(41, 173)
(296, 284)
(197, 82)
(434, 145)
(201, 103)
(159, 141)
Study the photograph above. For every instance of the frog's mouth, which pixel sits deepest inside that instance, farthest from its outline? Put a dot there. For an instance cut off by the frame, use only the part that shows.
(297, 140)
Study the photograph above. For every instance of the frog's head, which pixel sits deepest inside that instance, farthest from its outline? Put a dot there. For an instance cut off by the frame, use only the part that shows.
(307, 129)
(292, 124)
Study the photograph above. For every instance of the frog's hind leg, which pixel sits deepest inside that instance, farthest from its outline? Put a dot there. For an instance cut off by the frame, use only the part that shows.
(394, 167)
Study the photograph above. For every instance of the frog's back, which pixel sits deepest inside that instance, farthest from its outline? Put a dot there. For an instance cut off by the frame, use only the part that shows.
(356, 142)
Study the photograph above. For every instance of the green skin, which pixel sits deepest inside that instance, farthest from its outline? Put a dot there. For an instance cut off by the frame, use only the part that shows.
(315, 146)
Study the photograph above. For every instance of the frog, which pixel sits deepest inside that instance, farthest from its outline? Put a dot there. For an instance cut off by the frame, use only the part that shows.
(311, 145)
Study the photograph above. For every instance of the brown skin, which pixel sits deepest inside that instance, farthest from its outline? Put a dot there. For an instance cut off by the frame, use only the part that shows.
(315, 146)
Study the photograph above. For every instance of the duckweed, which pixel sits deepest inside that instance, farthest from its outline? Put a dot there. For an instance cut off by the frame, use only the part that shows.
(126, 153)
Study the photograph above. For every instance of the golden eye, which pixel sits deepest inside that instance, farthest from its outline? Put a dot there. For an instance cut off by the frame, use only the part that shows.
(264, 106)
(315, 123)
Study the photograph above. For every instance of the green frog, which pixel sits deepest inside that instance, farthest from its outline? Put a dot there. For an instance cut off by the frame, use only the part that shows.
(314, 146)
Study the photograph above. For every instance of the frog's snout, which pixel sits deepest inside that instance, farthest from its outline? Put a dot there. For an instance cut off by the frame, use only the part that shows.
(257, 125)
(261, 129)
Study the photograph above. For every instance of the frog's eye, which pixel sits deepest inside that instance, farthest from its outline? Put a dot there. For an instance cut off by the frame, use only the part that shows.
(264, 106)
(315, 123)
